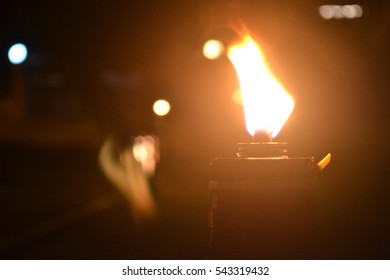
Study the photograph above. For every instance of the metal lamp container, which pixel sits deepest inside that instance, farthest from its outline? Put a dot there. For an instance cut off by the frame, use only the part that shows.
(262, 204)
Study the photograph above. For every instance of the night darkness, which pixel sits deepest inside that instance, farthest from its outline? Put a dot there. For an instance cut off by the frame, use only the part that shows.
(94, 70)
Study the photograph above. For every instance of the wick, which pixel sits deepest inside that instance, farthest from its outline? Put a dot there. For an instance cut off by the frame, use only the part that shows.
(262, 136)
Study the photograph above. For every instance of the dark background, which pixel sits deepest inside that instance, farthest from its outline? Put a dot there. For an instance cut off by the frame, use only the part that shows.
(94, 70)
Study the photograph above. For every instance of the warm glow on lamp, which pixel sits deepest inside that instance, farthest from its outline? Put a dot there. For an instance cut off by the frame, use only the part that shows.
(267, 105)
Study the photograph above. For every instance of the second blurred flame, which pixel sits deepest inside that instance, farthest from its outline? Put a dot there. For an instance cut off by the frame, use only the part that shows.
(267, 105)
(146, 152)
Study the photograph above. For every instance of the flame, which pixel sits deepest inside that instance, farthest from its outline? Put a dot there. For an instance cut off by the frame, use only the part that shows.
(267, 105)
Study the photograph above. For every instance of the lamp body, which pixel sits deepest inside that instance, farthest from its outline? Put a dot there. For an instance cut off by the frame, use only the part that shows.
(262, 208)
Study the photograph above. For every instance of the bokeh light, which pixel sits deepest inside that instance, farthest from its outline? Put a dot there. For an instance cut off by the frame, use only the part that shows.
(146, 152)
(339, 11)
(326, 11)
(213, 49)
(161, 107)
(17, 53)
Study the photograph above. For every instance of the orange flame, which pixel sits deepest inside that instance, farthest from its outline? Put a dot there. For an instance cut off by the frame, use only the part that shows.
(267, 105)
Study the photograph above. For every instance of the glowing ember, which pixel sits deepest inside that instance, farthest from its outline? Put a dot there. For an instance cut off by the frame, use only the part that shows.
(267, 105)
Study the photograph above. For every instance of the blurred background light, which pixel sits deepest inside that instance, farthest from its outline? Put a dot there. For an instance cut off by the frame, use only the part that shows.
(146, 152)
(161, 107)
(213, 49)
(358, 10)
(338, 11)
(326, 12)
(17, 53)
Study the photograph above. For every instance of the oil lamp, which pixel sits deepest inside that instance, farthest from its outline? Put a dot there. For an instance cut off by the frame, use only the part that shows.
(262, 203)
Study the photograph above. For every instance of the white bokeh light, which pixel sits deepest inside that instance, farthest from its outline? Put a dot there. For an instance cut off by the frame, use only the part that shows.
(146, 152)
(213, 49)
(17, 53)
(326, 12)
(340, 11)
(161, 107)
